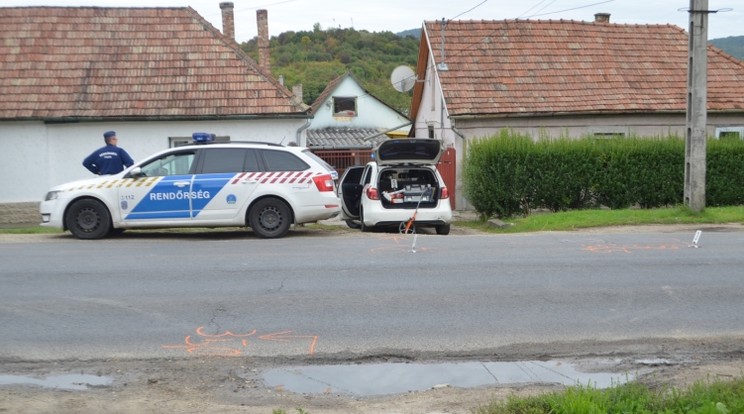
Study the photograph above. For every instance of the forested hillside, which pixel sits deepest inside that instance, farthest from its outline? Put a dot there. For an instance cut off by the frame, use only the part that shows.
(733, 45)
(315, 58)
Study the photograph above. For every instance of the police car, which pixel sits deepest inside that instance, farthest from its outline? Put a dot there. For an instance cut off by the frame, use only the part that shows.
(267, 187)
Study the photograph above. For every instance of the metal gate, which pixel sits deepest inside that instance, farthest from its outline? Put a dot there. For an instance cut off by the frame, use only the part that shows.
(345, 158)
(448, 169)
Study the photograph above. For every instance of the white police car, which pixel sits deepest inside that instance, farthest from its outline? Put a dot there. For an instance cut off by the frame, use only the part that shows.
(264, 186)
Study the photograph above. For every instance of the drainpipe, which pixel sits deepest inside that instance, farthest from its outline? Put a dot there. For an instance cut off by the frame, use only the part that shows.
(298, 135)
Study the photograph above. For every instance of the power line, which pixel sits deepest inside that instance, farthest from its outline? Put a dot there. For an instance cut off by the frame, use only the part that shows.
(471, 9)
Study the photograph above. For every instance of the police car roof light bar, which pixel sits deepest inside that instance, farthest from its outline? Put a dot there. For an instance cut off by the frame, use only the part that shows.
(202, 137)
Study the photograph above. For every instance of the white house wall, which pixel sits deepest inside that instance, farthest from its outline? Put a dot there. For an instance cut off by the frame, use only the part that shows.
(371, 113)
(581, 126)
(432, 112)
(37, 156)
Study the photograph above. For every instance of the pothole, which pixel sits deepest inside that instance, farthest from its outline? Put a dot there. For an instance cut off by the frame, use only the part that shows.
(75, 382)
(394, 378)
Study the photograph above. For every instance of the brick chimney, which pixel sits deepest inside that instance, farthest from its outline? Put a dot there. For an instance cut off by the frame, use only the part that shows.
(603, 18)
(264, 57)
(228, 19)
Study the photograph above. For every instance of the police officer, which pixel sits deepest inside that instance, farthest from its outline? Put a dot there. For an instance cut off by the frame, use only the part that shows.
(109, 159)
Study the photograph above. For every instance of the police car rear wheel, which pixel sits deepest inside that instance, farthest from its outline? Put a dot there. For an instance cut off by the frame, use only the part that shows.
(88, 219)
(270, 218)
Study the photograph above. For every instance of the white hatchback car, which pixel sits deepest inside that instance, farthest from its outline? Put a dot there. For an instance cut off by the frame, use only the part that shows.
(266, 187)
(401, 188)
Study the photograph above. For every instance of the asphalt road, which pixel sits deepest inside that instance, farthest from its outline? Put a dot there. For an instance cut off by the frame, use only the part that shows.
(161, 295)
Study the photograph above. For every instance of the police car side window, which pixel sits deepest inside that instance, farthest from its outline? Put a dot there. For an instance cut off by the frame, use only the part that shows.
(171, 164)
(283, 161)
(228, 160)
(222, 160)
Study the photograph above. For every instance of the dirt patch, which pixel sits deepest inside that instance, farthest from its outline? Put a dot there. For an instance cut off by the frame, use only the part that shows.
(204, 384)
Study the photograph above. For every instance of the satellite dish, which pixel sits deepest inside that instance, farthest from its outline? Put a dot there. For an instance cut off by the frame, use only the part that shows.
(403, 78)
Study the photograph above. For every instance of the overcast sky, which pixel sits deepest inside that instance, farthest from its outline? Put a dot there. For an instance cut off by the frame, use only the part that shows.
(400, 15)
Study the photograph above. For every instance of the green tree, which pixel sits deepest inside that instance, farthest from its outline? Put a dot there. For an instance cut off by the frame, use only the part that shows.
(314, 58)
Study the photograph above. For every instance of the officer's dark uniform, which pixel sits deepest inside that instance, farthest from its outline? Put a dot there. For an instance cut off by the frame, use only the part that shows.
(109, 159)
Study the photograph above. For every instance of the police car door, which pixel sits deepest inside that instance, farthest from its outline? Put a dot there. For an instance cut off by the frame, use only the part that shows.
(224, 180)
(162, 192)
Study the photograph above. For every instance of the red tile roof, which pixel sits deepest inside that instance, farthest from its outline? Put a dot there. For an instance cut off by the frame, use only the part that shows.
(93, 62)
(533, 67)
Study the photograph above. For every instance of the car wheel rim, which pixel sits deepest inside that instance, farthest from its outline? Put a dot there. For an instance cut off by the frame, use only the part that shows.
(88, 220)
(270, 219)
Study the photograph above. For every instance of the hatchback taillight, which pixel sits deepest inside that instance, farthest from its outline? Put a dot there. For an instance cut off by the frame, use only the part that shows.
(372, 193)
(444, 193)
(324, 182)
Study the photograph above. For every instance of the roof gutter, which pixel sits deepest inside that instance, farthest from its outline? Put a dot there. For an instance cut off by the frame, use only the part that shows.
(75, 119)
(552, 114)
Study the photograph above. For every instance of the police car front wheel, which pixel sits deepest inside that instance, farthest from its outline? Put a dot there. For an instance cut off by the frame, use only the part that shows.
(270, 218)
(88, 219)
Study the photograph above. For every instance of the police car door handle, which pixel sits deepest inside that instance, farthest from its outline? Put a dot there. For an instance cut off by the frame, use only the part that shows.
(182, 183)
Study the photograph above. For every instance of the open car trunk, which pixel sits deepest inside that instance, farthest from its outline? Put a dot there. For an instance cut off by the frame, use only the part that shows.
(406, 187)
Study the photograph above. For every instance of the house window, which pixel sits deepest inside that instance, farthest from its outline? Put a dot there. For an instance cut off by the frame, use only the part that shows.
(609, 135)
(344, 106)
(430, 129)
(181, 141)
(730, 133)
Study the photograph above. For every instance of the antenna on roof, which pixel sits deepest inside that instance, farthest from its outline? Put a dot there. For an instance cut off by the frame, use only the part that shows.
(442, 66)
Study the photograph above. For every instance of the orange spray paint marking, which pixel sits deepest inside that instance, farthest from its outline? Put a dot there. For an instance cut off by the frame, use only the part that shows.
(229, 343)
(286, 336)
(214, 344)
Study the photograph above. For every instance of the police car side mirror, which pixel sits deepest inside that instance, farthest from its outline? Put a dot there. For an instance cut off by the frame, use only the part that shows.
(136, 172)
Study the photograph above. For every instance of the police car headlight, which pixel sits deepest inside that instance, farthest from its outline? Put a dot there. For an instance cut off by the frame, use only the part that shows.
(52, 195)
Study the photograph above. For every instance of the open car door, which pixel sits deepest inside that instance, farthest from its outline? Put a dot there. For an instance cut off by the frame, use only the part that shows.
(350, 192)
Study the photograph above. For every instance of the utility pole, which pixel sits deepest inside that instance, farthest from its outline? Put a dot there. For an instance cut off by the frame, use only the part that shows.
(697, 115)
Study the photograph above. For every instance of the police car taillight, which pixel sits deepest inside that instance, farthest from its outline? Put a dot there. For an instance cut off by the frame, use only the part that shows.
(324, 182)
(202, 137)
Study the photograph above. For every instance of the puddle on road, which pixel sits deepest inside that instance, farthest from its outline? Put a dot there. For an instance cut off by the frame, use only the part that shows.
(395, 378)
(75, 382)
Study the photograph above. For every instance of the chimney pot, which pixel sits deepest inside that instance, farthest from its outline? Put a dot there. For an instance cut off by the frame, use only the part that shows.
(264, 57)
(228, 19)
(602, 18)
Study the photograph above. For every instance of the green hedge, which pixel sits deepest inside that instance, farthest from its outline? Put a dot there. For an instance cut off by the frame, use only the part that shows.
(512, 174)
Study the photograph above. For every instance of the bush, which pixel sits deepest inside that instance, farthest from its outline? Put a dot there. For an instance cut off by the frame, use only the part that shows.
(511, 174)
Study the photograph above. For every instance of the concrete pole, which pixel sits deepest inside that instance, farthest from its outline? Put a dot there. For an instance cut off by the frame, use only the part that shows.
(697, 116)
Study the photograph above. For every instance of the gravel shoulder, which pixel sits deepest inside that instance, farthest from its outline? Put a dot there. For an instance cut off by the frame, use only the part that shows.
(203, 384)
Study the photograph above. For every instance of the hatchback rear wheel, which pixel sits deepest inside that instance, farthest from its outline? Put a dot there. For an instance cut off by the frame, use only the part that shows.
(270, 218)
(363, 226)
